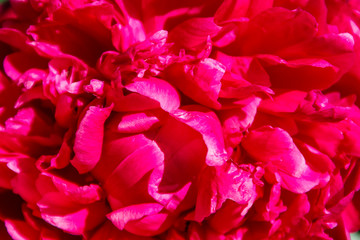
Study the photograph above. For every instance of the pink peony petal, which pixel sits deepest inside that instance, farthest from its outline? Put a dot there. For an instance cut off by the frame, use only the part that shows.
(29, 121)
(193, 33)
(115, 150)
(66, 75)
(308, 180)
(32, 94)
(249, 68)
(24, 184)
(150, 225)
(122, 216)
(80, 194)
(232, 10)
(185, 153)
(275, 148)
(89, 138)
(16, 64)
(237, 120)
(270, 30)
(124, 36)
(318, 73)
(69, 216)
(20, 230)
(65, 110)
(133, 168)
(288, 101)
(15, 38)
(201, 82)
(135, 122)
(158, 90)
(208, 125)
(70, 34)
(217, 184)
(109, 231)
(161, 14)
(6, 176)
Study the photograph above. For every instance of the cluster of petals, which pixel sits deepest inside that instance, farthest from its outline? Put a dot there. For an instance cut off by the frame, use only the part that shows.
(191, 119)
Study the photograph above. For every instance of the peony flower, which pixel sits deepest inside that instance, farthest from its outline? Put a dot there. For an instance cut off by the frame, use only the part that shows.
(179, 120)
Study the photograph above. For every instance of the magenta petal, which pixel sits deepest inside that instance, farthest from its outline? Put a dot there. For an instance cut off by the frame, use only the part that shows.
(207, 123)
(233, 10)
(276, 149)
(235, 121)
(285, 102)
(123, 215)
(16, 64)
(269, 31)
(89, 138)
(69, 216)
(123, 36)
(158, 90)
(275, 146)
(193, 33)
(115, 150)
(135, 122)
(200, 82)
(307, 181)
(15, 38)
(20, 230)
(306, 74)
(81, 194)
(134, 167)
(217, 184)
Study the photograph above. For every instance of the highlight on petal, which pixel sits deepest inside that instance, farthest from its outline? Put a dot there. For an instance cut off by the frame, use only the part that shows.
(18, 63)
(237, 120)
(71, 217)
(89, 138)
(122, 216)
(275, 148)
(18, 229)
(200, 82)
(115, 150)
(136, 122)
(158, 90)
(132, 169)
(206, 123)
(217, 184)
(274, 145)
(80, 194)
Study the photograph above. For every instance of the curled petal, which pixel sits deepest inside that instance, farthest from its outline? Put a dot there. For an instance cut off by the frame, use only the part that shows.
(193, 33)
(205, 122)
(89, 138)
(217, 184)
(158, 90)
(21, 230)
(69, 216)
(201, 82)
(135, 212)
(275, 148)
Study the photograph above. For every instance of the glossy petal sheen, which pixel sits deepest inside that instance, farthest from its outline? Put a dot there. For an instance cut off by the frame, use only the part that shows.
(158, 90)
(89, 138)
(274, 145)
(121, 216)
(200, 82)
(209, 126)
